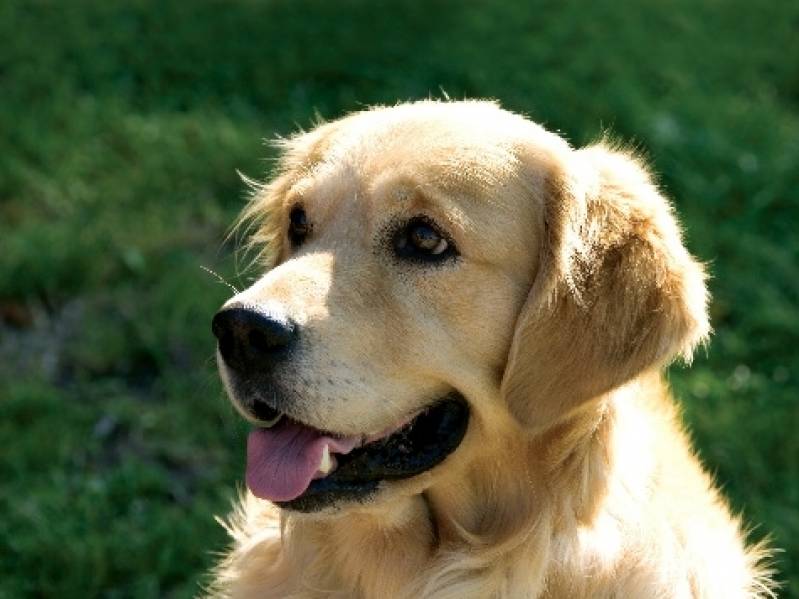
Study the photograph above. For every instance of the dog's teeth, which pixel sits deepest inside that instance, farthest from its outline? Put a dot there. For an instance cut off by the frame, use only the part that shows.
(326, 463)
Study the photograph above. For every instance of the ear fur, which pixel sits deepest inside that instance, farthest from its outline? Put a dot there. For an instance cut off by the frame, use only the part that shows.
(616, 292)
(263, 220)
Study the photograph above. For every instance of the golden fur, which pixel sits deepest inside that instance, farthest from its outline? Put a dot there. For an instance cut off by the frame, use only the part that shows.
(573, 290)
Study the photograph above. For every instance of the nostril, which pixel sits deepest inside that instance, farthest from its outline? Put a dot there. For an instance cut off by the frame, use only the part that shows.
(219, 326)
(227, 345)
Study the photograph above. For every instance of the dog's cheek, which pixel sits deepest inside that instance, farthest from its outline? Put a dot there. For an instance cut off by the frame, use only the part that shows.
(467, 318)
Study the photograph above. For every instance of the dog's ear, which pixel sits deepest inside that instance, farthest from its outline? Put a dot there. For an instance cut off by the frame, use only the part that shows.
(616, 292)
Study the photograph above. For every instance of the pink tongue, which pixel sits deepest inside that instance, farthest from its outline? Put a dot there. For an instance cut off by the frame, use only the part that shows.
(282, 461)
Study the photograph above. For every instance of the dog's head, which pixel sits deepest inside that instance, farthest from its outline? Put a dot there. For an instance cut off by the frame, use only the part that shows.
(438, 273)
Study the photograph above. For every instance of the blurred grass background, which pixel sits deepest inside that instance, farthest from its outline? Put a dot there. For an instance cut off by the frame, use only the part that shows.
(121, 129)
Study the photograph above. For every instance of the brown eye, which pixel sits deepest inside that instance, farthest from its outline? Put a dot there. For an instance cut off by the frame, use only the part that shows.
(427, 239)
(298, 226)
(420, 239)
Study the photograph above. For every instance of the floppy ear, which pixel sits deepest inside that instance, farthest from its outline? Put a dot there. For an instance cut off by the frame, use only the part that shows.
(616, 291)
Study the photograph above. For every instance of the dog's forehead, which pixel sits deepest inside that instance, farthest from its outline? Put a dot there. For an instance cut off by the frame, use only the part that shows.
(483, 168)
(447, 144)
(472, 151)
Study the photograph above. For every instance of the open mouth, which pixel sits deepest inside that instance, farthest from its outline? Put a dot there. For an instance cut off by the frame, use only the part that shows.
(304, 469)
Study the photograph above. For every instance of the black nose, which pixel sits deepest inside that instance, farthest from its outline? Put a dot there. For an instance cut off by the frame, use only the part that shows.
(249, 339)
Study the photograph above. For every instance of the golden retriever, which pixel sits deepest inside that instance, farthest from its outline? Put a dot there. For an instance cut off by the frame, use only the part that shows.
(452, 365)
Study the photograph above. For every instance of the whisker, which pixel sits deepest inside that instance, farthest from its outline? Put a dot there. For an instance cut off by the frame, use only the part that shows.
(220, 278)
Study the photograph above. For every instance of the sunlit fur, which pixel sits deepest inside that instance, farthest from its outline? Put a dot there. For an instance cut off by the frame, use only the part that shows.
(575, 478)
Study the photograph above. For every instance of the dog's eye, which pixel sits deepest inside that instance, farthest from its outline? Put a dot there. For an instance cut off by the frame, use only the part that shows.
(420, 239)
(298, 226)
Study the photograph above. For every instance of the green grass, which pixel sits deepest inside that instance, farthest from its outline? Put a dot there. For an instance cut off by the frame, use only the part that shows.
(121, 128)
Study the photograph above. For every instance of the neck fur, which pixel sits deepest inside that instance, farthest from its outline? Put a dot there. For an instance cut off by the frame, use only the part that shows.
(465, 530)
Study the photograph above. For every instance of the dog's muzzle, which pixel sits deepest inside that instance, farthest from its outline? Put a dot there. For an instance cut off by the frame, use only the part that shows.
(301, 467)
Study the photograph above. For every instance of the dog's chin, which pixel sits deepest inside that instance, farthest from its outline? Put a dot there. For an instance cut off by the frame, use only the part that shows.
(362, 469)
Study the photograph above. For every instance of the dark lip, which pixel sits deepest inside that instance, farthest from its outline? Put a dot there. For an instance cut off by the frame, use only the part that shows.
(416, 448)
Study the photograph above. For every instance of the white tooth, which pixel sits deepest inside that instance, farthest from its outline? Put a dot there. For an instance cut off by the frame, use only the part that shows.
(326, 463)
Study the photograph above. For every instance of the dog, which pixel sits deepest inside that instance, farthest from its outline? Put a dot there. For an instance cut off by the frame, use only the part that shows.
(453, 369)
